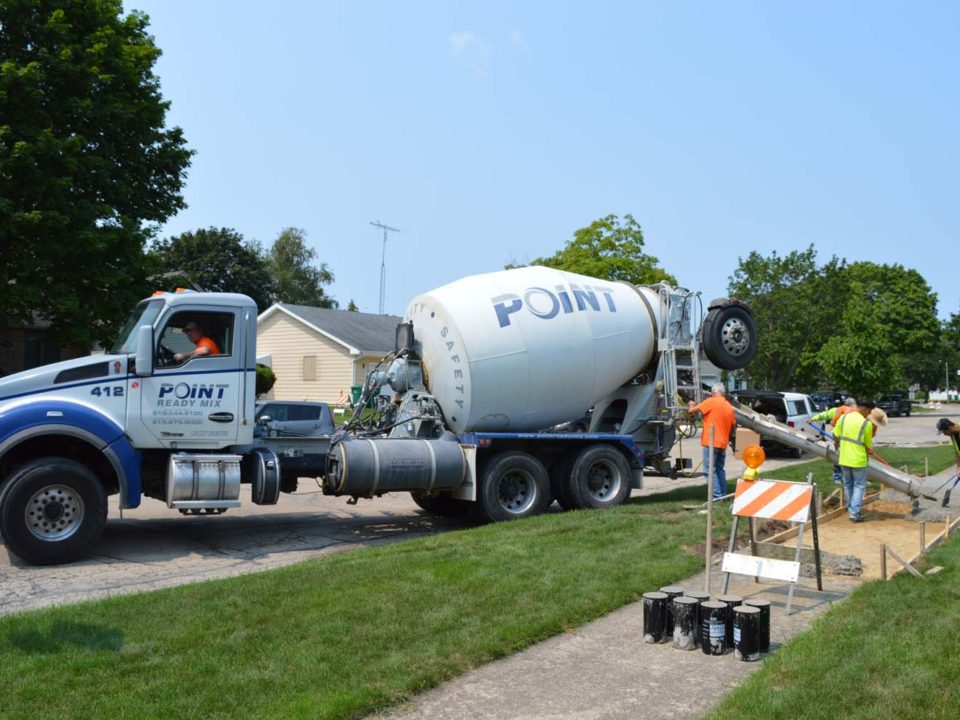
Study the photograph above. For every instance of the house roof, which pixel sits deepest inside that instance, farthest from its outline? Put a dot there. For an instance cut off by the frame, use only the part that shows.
(360, 333)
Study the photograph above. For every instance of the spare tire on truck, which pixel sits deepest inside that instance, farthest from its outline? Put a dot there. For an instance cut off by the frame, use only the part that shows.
(729, 337)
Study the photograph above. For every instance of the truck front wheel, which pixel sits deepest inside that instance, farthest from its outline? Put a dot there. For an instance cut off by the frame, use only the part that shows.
(51, 510)
(513, 485)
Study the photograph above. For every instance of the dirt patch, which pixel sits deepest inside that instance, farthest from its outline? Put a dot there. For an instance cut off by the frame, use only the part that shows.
(883, 522)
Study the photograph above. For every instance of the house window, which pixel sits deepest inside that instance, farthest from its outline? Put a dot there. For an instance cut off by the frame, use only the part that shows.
(309, 368)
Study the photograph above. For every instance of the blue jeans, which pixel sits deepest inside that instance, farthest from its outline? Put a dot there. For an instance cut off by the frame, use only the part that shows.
(854, 485)
(719, 474)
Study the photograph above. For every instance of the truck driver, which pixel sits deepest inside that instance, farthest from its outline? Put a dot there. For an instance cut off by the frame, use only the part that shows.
(204, 345)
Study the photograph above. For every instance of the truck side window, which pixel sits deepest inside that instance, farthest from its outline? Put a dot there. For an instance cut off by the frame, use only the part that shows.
(188, 330)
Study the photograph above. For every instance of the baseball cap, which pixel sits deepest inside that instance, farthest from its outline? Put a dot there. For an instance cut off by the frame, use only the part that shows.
(190, 326)
(943, 424)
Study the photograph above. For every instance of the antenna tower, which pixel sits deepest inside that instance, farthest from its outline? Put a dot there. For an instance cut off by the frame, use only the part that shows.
(383, 260)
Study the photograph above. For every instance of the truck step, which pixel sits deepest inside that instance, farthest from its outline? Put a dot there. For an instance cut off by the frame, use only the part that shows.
(204, 504)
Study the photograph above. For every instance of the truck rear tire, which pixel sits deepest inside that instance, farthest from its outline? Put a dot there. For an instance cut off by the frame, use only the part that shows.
(51, 510)
(442, 505)
(600, 478)
(513, 485)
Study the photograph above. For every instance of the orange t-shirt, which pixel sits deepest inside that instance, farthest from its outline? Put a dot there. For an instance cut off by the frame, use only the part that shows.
(209, 344)
(718, 414)
(841, 411)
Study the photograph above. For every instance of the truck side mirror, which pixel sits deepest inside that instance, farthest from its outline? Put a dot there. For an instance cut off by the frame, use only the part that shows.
(144, 358)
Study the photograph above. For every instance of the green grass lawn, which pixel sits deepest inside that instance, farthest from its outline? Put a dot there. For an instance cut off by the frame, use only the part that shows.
(342, 636)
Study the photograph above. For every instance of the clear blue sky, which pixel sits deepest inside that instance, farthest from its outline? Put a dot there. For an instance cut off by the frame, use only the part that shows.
(487, 132)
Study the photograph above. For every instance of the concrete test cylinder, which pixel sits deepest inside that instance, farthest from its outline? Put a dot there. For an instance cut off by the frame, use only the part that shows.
(731, 601)
(746, 633)
(672, 591)
(685, 625)
(654, 616)
(701, 597)
(713, 627)
(764, 607)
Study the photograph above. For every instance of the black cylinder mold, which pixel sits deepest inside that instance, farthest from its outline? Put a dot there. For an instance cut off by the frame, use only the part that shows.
(685, 622)
(366, 467)
(714, 618)
(654, 616)
(746, 633)
(672, 591)
(731, 601)
(764, 606)
(701, 597)
(262, 468)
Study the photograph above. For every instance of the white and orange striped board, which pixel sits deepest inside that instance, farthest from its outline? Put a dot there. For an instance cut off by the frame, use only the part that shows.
(773, 499)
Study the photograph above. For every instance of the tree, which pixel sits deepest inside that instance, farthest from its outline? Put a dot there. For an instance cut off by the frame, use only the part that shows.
(611, 249)
(88, 169)
(218, 260)
(794, 304)
(860, 357)
(901, 301)
(296, 279)
(352, 307)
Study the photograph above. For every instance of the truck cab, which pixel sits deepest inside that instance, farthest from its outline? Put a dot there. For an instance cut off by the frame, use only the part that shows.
(74, 432)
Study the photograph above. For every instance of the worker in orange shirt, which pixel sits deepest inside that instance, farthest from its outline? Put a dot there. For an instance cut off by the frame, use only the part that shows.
(717, 414)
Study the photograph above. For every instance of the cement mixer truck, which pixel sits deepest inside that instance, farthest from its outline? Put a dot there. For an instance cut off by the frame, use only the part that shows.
(485, 372)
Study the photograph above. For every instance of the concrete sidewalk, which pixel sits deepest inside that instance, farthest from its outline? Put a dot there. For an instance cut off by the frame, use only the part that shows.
(604, 670)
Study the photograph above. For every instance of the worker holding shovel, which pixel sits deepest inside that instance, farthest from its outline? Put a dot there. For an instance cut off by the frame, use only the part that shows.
(946, 427)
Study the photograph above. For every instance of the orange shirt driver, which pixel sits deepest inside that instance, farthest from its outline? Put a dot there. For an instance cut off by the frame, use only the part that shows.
(204, 345)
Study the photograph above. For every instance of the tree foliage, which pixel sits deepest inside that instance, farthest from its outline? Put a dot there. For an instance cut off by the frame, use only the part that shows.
(794, 304)
(611, 249)
(88, 169)
(218, 260)
(297, 278)
(863, 327)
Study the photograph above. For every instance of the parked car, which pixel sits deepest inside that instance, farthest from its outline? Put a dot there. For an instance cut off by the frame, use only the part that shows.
(790, 408)
(895, 404)
(826, 399)
(279, 418)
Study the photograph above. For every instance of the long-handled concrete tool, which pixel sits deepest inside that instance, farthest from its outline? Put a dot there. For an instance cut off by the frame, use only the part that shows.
(946, 495)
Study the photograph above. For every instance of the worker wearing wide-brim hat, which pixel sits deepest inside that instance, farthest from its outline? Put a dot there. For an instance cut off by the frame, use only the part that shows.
(947, 427)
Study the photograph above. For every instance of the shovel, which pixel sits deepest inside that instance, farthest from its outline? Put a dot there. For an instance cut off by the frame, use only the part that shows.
(946, 498)
(946, 495)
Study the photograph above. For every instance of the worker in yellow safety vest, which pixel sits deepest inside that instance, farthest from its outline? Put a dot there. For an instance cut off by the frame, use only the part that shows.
(832, 416)
(853, 439)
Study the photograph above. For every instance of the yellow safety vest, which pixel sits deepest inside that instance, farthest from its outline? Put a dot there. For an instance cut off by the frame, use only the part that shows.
(855, 434)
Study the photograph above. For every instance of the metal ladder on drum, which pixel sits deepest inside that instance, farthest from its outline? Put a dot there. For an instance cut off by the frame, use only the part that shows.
(680, 349)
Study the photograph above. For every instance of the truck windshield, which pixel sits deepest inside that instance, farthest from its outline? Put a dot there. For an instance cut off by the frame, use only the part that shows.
(143, 314)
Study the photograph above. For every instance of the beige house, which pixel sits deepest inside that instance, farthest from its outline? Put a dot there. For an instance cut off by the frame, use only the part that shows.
(319, 354)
